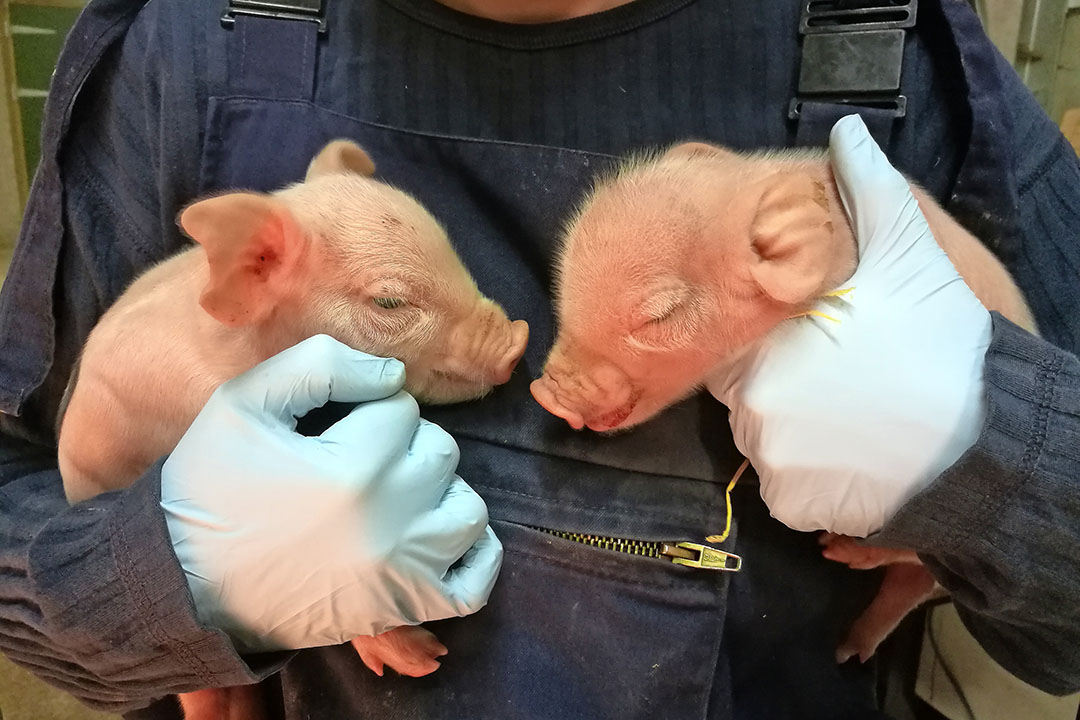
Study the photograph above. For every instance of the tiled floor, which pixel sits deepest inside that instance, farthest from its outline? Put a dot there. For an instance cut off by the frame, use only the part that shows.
(961, 681)
(24, 697)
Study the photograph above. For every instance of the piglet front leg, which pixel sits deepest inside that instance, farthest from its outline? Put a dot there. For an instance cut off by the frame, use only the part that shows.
(232, 703)
(409, 650)
(846, 549)
(906, 585)
(903, 589)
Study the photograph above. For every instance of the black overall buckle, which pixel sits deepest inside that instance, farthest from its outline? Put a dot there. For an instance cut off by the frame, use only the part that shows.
(310, 10)
(852, 53)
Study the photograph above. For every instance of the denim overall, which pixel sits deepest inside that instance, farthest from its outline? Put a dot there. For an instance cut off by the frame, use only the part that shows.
(570, 631)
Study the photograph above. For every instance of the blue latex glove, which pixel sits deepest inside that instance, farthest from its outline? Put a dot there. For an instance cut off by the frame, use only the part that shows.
(290, 541)
(844, 422)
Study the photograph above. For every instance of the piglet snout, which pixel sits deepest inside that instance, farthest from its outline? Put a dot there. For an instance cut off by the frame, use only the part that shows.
(544, 390)
(600, 398)
(487, 346)
(519, 338)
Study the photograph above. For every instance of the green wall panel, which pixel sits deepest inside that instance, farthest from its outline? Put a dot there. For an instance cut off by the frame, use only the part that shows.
(38, 34)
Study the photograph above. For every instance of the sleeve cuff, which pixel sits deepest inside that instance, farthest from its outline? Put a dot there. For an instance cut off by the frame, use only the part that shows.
(1021, 376)
(117, 592)
(999, 529)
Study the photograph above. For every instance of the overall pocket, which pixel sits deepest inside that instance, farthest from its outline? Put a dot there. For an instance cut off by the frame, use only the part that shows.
(570, 632)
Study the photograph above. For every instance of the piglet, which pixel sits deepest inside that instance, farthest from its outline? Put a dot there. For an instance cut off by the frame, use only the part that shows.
(339, 254)
(678, 262)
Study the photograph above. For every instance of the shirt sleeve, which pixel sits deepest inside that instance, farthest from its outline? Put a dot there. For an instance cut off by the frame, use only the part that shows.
(92, 598)
(1001, 528)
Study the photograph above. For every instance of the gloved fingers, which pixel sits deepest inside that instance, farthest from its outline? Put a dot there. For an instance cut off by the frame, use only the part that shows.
(878, 199)
(420, 478)
(313, 372)
(445, 535)
(434, 454)
(375, 436)
(468, 584)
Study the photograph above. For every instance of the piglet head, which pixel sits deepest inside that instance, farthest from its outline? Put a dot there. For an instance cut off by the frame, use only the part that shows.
(354, 258)
(672, 267)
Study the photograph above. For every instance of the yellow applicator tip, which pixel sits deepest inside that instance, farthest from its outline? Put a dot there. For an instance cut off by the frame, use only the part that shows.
(815, 313)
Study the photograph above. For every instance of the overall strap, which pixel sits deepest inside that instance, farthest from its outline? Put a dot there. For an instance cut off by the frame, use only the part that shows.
(985, 197)
(272, 48)
(852, 53)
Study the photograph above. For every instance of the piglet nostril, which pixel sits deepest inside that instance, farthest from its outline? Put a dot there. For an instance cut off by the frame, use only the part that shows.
(505, 369)
(504, 366)
(513, 363)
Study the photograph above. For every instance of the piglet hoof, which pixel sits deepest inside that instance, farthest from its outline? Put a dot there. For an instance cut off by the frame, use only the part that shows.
(863, 639)
(904, 588)
(848, 649)
(410, 651)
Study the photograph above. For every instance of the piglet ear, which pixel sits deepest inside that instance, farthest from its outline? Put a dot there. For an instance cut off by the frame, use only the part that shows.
(253, 245)
(792, 237)
(341, 156)
(695, 150)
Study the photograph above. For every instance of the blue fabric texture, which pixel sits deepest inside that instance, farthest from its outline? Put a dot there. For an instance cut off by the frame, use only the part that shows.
(998, 529)
(499, 131)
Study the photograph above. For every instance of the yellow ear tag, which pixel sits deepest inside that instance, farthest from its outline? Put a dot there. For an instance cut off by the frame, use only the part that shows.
(818, 313)
(727, 525)
(815, 313)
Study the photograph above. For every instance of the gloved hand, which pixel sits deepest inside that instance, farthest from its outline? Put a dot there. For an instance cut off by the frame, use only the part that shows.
(290, 541)
(844, 422)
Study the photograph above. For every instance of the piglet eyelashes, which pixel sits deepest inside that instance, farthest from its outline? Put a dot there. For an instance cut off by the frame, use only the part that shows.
(389, 303)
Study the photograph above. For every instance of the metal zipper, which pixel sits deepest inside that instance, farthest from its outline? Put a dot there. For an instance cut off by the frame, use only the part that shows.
(690, 554)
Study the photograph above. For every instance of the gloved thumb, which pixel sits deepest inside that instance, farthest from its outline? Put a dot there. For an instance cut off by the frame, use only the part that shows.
(864, 175)
(314, 372)
(884, 214)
